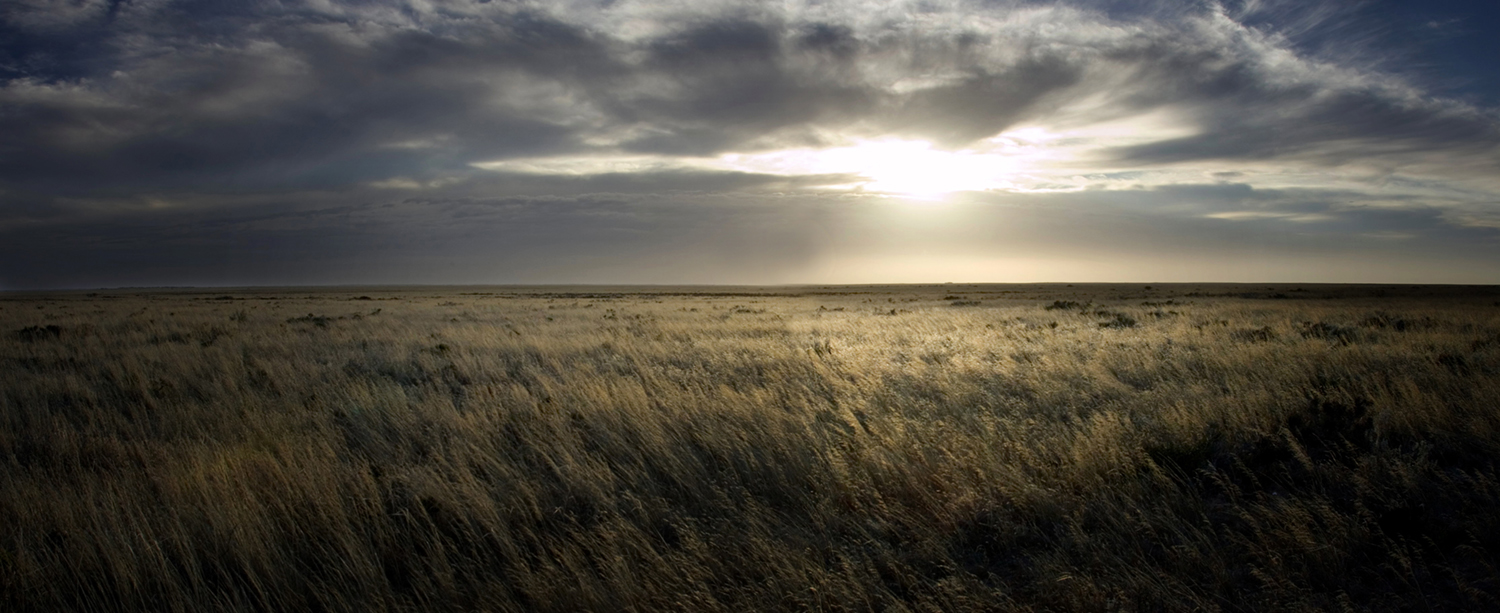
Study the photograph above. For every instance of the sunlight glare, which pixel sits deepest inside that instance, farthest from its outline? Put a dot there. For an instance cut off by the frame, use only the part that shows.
(909, 168)
(1024, 159)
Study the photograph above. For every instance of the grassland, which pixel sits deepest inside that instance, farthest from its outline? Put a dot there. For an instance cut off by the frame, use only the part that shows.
(938, 448)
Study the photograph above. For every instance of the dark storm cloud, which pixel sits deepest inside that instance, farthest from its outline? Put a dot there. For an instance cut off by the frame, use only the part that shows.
(200, 95)
(277, 105)
(730, 82)
(984, 103)
(291, 102)
(1244, 113)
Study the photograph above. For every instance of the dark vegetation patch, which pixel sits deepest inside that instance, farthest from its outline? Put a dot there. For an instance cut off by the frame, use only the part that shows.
(1386, 321)
(1328, 332)
(1368, 498)
(32, 334)
(1255, 335)
(322, 321)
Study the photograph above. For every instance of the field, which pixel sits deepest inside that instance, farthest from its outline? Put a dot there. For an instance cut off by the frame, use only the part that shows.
(905, 448)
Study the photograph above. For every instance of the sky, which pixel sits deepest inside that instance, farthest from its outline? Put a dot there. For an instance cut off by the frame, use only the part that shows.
(205, 143)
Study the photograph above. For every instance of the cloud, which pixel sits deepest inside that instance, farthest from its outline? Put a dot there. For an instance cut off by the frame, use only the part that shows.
(270, 104)
(273, 96)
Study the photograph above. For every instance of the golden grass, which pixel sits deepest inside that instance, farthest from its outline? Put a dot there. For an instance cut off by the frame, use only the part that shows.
(883, 448)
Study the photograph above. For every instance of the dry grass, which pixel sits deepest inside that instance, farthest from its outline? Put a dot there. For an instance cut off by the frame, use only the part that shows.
(923, 448)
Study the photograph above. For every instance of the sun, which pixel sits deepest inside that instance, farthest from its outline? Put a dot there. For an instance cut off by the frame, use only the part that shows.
(915, 169)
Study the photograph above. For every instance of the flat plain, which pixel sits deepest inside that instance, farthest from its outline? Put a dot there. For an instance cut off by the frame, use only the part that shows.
(871, 448)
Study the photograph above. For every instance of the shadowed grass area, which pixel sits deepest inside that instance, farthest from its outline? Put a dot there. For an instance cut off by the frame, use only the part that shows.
(1040, 448)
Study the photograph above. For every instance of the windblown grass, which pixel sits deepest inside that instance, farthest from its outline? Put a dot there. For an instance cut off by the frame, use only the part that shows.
(942, 448)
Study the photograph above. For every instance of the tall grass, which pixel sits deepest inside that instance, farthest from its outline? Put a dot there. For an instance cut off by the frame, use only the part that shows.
(1088, 448)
